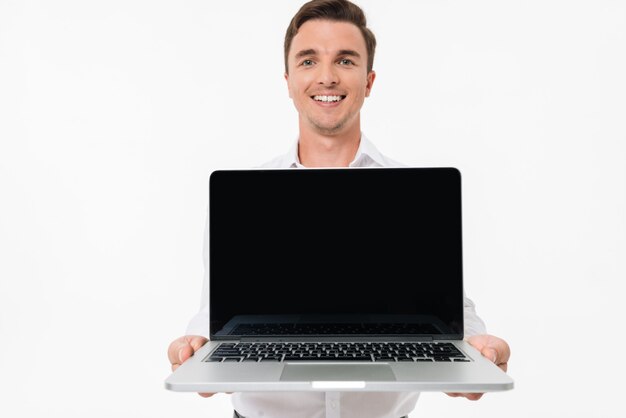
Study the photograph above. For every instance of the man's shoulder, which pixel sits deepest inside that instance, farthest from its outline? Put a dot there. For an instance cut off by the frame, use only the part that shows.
(371, 156)
(389, 162)
(286, 160)
(279, 161)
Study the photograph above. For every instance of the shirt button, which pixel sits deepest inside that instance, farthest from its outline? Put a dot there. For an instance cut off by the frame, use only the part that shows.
(333, 404)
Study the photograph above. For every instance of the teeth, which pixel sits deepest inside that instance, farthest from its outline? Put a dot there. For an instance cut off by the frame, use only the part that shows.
(327, 98)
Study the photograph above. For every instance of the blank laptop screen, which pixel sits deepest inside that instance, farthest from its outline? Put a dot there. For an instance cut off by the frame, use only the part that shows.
(359, 251)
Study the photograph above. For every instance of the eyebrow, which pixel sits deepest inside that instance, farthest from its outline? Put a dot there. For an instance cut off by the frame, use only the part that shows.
(348, 52)
(305, 52)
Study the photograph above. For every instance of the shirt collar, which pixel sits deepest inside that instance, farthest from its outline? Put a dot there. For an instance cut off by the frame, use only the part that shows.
(367, 155)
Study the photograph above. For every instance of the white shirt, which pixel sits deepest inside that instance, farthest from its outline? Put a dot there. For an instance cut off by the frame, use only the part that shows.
(320, 404)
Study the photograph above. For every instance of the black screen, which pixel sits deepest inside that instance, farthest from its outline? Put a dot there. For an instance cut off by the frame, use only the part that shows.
(358, 251)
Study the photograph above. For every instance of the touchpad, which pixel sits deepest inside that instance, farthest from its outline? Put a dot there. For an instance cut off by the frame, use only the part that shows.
(337, 372)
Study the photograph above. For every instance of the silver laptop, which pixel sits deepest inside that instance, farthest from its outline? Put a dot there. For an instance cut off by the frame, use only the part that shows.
(336, 279)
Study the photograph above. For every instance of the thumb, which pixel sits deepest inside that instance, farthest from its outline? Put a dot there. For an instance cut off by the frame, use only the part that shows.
(185, 352)
(490, 353)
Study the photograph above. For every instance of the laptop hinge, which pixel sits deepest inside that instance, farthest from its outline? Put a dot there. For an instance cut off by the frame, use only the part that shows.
(335, 338)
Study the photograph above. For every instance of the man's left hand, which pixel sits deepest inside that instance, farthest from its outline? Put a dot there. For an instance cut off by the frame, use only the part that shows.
(493, 348)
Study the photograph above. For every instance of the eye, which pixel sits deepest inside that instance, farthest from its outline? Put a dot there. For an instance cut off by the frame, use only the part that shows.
(346, 61)
(306, 63)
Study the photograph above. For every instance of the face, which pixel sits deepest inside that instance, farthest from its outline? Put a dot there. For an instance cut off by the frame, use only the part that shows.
(328, 79)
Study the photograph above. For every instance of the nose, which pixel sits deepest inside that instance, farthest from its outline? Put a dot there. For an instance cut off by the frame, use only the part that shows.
(327, 75)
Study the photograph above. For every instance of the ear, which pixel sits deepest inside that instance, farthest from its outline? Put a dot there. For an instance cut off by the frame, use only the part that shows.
(371, 76)
(288, 88)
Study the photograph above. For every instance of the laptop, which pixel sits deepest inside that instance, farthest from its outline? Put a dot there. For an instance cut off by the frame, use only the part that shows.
(336, 279)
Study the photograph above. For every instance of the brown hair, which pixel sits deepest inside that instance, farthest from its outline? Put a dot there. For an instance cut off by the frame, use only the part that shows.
(336, 10)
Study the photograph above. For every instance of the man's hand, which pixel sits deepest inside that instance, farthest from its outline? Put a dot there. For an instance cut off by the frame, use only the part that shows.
(493, 348)
(183, 348)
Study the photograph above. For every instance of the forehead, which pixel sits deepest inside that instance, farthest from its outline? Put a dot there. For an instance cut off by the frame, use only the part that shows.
(328, 37)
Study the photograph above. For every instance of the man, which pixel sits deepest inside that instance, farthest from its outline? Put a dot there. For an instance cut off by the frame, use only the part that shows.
(329, 54)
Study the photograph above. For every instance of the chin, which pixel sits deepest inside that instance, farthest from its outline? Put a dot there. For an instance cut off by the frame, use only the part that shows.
(328, 129)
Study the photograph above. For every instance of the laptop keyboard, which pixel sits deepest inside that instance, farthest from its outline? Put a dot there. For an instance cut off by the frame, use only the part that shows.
(338, 351)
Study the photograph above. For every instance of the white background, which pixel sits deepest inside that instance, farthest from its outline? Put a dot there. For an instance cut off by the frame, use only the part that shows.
(112, 114)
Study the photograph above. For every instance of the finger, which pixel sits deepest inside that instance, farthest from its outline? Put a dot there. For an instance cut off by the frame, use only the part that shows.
(495, 357)
(185, 352)
(206, 395)
(174, 349)
(504, 352)
(196, 342)
(482, 342)
(490, 353)
(470, 396)
(502, 348)
(473, 396)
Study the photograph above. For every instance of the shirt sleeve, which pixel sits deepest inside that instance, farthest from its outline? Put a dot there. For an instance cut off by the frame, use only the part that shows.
(474, 325)
(199, 323)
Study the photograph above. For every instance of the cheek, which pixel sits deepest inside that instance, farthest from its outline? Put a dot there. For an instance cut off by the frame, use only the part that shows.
(360, 87)
(295, 94)
(294, 90)
(301, 83)
(298, 97)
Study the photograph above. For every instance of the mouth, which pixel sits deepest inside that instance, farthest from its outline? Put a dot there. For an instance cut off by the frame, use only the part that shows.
(328, 98)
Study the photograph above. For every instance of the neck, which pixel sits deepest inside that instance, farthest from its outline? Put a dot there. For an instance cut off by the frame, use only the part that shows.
(319, 150)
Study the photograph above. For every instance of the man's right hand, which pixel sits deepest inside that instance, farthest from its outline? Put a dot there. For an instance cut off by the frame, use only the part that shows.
(183, 348)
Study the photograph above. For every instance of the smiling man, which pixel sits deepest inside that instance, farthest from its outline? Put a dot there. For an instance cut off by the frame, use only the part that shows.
(329, 55)
(329, 77)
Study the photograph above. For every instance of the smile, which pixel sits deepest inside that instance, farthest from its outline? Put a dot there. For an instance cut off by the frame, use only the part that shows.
(328, 98)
